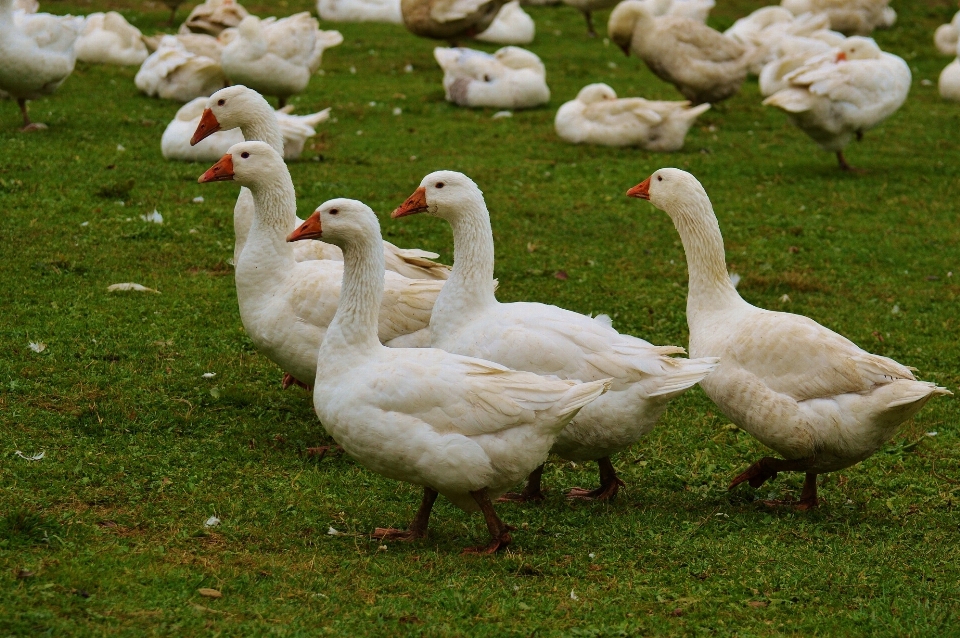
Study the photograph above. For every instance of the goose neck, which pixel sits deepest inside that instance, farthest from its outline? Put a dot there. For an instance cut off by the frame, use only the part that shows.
(261, 126)
(275, 205)
(355, 326)
(471, 280)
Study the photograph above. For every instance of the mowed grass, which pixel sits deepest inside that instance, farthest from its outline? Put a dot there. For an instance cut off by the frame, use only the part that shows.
(141, 450)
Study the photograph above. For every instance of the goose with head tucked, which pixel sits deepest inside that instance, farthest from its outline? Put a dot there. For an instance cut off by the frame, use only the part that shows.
(838, 95)
(360, 11)
(449, 20)
(108, 38)
(799, 388)
(511, 78)
(468, 320)
(512, 25)
(213, 17)
(285, 304)
(174, 73)
(458, 426)
(239, 107)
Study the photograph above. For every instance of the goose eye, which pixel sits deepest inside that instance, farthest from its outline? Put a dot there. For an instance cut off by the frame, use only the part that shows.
(440, 184)
(334, 211)
(244, 155)
(659, 179)
(221, 102)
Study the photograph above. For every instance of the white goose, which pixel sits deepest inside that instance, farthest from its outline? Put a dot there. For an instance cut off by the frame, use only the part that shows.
(108, 38)
(286, 305)
(839, 95)
(277, 57)
(174, 73)
(801, 389)
(947, 35)
(175, 143)
(949, 82)
(766, 29)
(213, 17)
(792, 52)
(702, 63)
(850, 17)
(468, 320)
(597, 116)
(512, 25)
(196, 43)
(360, 11)
(511, 78)
(243, 108)
(34, 62)
(458, 426)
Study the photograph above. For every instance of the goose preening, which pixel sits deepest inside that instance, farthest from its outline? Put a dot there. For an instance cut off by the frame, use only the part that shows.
(512, 25)
(462, 427)
(842, 93)
(468, 320)
(35, 57)
(947, 35)
(511, 78)
(850, 17)
(239, 107)
(175, 143)
(598, 116)
(360, 11)
(276, 57)
(449, 20)
(174, 73)
(702, 63)
(213, 17)
(285, 304)
(107, 38)
(790, 53)
(799, 388)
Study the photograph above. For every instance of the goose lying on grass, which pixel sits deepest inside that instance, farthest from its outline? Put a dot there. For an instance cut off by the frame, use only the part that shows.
(511, 78)
(462, 427)
(512, 25)
(850, 17)
(174, 73)
(213, 17)
(449, 20)
(107, 38)
(801, 389)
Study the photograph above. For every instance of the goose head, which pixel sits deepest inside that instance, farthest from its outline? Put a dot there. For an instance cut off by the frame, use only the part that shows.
(624, 20)
(594, 93)
(250, 164)
(338, 221)
(859, 48)
(672, 190)
(444, 194)
(230, 108)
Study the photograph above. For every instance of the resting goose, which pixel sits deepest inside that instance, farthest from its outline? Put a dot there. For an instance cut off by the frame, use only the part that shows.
(512, 25)
(949, 82)
(701, 62)
(285, 304)
(449, 19)
(801, 389)
(841, 94)
(511, 78)
(196, 43)
(240, 107)
(213, 17)
(468, 320)
(175, 143)
(108, 38)
(360, 11)
(597, 116)
(174, 73)
(277, 57)
(850, 17)
(458, 426)
(947, 35)
(34, 61)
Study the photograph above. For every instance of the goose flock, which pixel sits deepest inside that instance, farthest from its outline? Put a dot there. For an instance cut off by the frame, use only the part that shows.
(416, 369)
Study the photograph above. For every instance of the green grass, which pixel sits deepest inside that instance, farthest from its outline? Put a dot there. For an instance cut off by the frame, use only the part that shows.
(140, 449)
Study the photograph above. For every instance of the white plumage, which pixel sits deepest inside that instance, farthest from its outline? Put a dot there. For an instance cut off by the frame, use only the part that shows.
(512, 25)
(360, 11)
(108, 38)
(174, 73)
(511, 78)
(851, 17)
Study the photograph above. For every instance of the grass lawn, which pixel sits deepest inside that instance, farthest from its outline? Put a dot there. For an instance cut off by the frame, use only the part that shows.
(141, 450)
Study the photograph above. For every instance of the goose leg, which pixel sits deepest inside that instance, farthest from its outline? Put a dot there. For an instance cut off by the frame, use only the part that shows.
(767, 469)
(27, 124)
(418, 527)
(808, 497)
(843, 162)
(610, 484)
(173, 17)
(531, 491)
(321, 451)
(281, 102)
(590, 30)
(289, 380)
(499, 530)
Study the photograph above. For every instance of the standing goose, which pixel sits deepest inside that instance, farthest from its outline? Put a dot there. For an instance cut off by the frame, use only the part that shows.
(286, 305)
(801, 389)
(458, 426)
(468, 320)
(244, 108)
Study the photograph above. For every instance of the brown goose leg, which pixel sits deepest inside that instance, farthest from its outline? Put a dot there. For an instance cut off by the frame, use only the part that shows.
(27, 124)
(289, 380)
(418, 527)
(499, 531)
(808, 497)
(610, 484)
(281, 102)
(767, 469)
(531, 491)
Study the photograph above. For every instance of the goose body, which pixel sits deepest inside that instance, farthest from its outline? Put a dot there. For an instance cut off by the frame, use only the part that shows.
(512, 25)
(277, 57)
(949, 82)
(511, 78)
(212, 17)
(801, 389)
(842, 93)
(449, 19)
(175, 143)
(544, 339)
(286, 305)
(246, 110)
(792, 52)
(107, 38)
(458, 426)
(36, 56)
(174, 73)
(196, 43)
(947, 35)
(850, 17)
(766, 29)
(360, 11)
(597, 116)
(701, 62)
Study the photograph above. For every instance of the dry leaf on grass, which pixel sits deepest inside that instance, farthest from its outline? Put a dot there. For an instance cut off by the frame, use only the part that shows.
(131, 287)
(209, 593)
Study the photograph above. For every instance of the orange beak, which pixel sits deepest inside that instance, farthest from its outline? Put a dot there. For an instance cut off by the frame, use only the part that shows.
(841, 57)
(222, 171)
(416, 203)
(310, 229)
(641, 190)
(208, 126)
